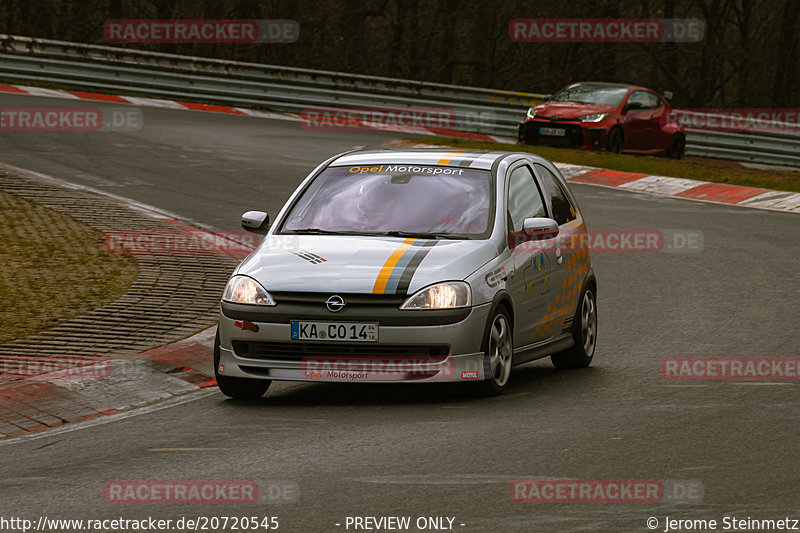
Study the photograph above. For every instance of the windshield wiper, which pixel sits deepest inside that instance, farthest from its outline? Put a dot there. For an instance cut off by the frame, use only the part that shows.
(405, 234)
(317, 231)
(418, 235)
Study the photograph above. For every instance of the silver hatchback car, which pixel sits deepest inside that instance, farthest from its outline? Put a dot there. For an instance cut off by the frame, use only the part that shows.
(411, 266)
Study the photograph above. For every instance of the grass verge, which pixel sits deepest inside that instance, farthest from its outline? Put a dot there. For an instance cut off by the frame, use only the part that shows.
(52, 268)
(695, 168)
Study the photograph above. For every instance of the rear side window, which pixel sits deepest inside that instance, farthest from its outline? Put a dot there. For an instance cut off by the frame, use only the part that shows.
(563, 210)
(524, 199)
(645, 100)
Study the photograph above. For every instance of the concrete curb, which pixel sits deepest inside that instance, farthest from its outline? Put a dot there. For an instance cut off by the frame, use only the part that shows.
(142, 335)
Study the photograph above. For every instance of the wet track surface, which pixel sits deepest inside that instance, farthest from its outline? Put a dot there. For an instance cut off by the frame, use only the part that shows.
(436, 450)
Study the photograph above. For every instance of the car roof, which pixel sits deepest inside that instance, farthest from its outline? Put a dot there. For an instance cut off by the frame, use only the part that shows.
(611, 84)
(477, 159)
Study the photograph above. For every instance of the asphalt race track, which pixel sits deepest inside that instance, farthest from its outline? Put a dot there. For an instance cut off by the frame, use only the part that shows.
(364, 450)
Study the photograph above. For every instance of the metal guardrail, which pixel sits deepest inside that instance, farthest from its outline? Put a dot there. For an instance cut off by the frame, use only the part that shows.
(478, 110)
(93, 67)
(765, 147)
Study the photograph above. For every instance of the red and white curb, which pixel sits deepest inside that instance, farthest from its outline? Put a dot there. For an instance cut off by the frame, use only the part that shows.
(30, 405)
(213, 108)
(719, 193)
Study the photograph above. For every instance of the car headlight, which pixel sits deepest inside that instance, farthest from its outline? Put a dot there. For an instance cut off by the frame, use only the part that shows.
(594, 117)
(449, 295)
(531, 112)
(246, 290)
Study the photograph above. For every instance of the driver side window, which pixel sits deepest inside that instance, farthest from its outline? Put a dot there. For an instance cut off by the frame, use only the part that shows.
(524, 198)
(563, 210)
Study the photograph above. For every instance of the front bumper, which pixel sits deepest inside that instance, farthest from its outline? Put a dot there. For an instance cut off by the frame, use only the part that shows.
(448, 352)
(586, 135)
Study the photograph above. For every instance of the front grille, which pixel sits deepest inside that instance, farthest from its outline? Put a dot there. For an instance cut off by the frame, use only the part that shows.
(296, 351)
(573, 136)
(354, 300)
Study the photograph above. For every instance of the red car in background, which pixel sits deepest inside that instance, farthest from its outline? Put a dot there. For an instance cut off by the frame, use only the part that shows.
(611, 116)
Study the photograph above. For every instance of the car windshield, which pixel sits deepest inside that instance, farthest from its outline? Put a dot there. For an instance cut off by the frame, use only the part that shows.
(592, 94)
(404, 200)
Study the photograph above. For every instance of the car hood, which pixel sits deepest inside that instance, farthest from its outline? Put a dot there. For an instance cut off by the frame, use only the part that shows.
(356, 264)
(570, 110)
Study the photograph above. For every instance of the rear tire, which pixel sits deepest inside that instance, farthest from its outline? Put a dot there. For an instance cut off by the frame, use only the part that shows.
(615, 141)
(677, 147)
(584, 333)
(498, 350)
(238, 388)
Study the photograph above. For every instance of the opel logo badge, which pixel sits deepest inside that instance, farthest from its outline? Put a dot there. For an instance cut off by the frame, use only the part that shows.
(335, 303)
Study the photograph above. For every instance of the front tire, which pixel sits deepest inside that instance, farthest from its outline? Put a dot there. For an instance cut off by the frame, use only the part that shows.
(584, 333)
(616, 139)
(238, 388)
(498, 353)
(677, 147)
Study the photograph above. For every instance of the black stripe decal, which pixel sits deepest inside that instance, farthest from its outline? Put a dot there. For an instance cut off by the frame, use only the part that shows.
(411, 267)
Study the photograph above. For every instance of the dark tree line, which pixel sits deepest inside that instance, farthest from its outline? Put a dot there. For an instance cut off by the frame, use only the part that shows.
(750, 56)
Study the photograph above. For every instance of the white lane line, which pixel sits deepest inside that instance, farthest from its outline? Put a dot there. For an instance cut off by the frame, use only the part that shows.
(106, 419)
(47, 93)
(153, 102)
(149, 210)
(774, 200)
(268, 114)
(763, 383)
(188, 449)
(203, 337)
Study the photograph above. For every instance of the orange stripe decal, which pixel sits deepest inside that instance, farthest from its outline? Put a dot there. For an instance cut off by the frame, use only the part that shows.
(388, 266)
(449, 157)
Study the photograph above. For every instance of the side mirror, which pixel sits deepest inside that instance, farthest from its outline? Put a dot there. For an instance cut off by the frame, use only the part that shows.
(543, 228)
(255, 221)
(668, 96)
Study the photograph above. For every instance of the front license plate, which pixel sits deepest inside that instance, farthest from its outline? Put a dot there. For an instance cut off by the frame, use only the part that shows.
(555, 132)
(335, 331)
